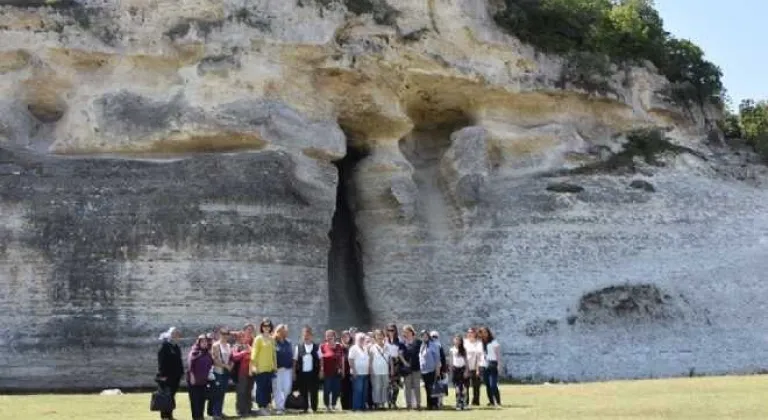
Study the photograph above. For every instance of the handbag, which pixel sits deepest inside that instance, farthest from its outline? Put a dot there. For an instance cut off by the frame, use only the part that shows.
(161, 400)
(444, 383)
(294, 402)
(439, 389)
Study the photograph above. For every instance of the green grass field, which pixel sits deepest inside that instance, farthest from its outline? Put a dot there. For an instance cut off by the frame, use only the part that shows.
(699, 398)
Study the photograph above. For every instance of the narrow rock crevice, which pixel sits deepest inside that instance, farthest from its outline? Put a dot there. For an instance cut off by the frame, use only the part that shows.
(348, 306)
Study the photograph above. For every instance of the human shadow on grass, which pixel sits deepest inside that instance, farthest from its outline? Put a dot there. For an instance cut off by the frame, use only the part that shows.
(483, 408)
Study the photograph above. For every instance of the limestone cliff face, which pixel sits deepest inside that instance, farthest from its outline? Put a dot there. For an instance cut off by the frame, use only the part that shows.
(178, 163)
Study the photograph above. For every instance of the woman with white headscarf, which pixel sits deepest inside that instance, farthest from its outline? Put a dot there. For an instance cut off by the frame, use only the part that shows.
(170, 368)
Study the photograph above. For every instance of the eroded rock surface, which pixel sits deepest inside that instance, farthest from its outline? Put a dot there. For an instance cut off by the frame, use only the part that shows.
(327, 162)
(97, 254)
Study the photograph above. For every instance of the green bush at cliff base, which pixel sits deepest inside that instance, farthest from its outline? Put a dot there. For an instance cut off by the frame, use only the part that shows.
(674, 399)
(625, 30)
(751, 124)
(760, 143)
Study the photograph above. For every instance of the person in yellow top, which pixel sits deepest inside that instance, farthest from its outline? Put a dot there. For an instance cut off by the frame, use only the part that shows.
(264, 365)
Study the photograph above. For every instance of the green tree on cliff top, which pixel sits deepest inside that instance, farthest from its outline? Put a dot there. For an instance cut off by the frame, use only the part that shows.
(626, 30)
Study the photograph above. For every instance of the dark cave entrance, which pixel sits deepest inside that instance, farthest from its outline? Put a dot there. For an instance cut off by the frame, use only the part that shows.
(348, 306)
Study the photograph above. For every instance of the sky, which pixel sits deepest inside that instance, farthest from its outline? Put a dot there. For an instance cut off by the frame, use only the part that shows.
(732, 34)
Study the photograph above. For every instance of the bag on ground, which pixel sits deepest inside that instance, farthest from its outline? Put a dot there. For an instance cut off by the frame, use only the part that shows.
(294, 402)
(161, 400)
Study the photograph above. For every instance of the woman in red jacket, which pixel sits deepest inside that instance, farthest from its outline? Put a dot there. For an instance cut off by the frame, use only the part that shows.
(241, 356)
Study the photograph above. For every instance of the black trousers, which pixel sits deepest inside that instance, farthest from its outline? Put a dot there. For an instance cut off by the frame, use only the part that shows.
(309, 386)
(369, 394)
(429, 382)
(209, 398)
(346, 392)
(460, 384)
(171, 387)
(475, 382)
(197, 401)
(394, 390)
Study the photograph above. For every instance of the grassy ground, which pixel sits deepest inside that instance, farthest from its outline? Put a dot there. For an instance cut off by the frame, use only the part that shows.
(700, 398)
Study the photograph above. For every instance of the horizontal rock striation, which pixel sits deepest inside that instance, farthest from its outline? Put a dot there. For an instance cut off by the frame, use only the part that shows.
(98, 254)
(330, 162)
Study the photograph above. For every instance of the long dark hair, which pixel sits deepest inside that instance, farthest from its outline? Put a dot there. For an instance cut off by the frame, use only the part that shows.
(462, 350)
(266, 322)
(485, 338)
(395, 337)
(350, 341)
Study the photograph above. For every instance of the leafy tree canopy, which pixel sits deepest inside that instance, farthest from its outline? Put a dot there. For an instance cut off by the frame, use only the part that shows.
(750, 124)
(625, 30)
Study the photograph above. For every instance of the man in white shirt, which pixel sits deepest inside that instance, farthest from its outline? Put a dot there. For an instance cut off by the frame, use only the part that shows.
(307, 369)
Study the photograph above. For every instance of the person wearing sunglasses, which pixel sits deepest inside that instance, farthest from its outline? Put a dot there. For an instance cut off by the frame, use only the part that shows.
(264, 365)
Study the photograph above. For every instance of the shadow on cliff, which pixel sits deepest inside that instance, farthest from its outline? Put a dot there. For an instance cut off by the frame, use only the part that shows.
(348, 305)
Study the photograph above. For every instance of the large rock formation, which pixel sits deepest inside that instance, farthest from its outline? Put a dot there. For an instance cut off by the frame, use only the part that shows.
(325, 162)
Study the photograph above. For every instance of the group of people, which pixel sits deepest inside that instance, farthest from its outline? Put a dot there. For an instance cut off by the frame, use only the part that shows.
(358, 371)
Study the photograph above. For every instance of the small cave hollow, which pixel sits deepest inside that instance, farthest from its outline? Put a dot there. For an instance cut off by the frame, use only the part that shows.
(431, 135)
(346, 291)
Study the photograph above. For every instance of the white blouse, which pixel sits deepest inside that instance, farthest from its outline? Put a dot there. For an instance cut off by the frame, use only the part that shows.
(457, 360)
(359, 360)
(475, 354)
(380, 358)
(493, 346)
